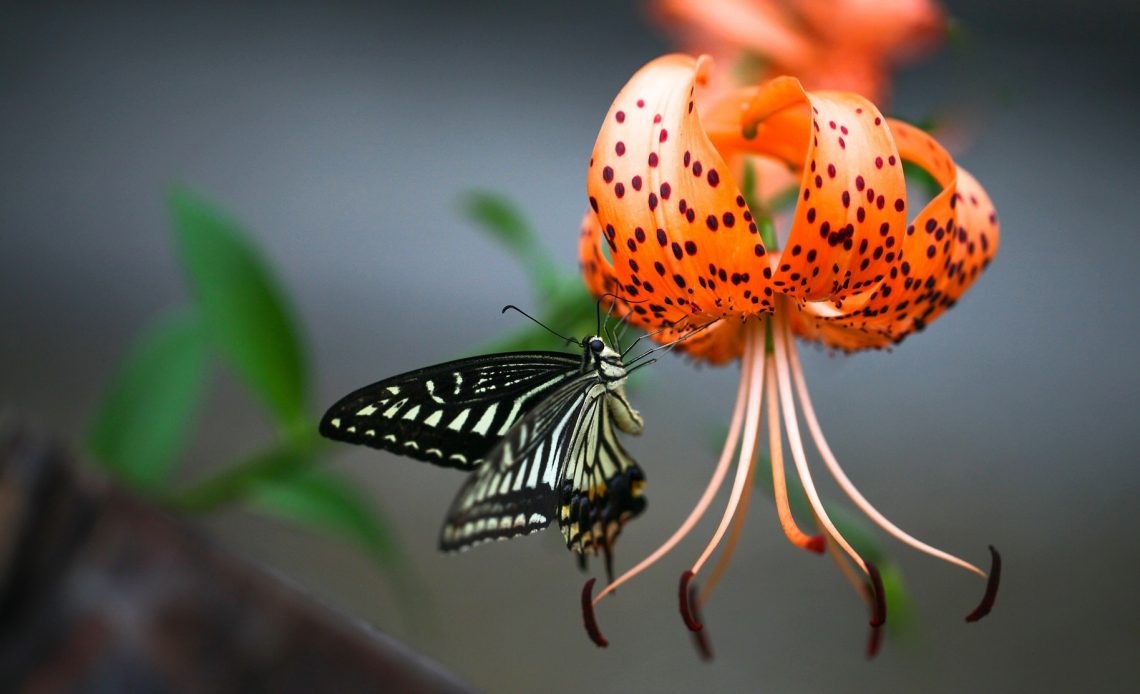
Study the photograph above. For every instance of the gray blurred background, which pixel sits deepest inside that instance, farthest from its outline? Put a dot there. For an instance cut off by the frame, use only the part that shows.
(343, 135)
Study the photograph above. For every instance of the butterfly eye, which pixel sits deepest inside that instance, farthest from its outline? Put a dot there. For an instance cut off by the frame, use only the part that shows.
(597, 345)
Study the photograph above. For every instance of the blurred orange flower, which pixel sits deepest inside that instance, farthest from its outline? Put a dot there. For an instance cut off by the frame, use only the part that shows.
(672, 233)
(828, 44)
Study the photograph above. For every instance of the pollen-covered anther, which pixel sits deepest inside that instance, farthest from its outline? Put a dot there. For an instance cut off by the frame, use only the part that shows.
(700, 637)
(992, 583)
(685, 596)
(874, 640)
(879, 596)
(588, 615)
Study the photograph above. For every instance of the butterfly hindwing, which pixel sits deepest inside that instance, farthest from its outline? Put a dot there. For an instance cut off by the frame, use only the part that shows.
(600, 488)
(513, 493)
(563, 459)
(451, 414)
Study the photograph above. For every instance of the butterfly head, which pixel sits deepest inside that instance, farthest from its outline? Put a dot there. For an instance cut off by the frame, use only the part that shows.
(604, 360)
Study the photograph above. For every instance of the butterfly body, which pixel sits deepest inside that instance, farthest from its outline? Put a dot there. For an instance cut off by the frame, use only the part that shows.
(535, 430)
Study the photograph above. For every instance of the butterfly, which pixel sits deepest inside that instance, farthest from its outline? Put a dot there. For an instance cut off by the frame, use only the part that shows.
(535, 429)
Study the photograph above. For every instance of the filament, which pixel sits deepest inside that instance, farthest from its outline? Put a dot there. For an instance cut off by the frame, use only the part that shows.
(779, 482)
(845, 483)
(853, 578)
(797, 446)
(730, 545)
(747, 447)
(710, 490)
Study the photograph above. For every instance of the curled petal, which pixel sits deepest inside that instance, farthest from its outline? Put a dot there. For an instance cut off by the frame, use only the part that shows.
(673, 219)
(943, 251)
(717, 343)
(852, 191)
(670, 230)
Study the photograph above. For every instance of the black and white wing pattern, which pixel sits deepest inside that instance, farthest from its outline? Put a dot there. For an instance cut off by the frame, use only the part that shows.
(450, 414)
(562, 459)
(600, 488)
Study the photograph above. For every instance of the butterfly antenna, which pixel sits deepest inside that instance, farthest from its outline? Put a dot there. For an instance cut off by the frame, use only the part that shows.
(540, 323)
(667, 345)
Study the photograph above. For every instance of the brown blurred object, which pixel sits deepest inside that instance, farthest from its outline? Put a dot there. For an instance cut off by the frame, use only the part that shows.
(100, 591)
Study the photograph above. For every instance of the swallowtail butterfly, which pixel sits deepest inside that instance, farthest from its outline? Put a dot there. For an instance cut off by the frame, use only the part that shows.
(536, 430)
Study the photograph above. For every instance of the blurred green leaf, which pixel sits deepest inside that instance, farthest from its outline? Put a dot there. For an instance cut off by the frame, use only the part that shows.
(320, 499)
(236, 482)
(499, 217)
(242, 306)
(145, 416)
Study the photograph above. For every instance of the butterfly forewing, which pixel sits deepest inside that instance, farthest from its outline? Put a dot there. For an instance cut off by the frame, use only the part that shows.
(513, 493)
(450, 414)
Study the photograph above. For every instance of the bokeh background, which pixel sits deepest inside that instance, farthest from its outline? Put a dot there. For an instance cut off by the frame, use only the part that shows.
(344, 135)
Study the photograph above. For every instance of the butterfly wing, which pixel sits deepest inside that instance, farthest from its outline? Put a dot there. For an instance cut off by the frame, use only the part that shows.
(600, 488)
(514, 492)
(451, 414)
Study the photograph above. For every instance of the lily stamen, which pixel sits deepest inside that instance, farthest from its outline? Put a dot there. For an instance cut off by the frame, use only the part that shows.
(848, 487)
(588, 617)
(992, 584)
(685, 597)
(729, 550)
(791, 425)
(747, 449)
(812, 543)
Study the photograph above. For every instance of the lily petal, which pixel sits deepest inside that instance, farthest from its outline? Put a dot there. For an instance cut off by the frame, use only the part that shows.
(674, 219)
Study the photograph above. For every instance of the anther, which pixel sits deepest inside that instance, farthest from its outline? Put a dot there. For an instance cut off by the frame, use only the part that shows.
(874, 640)
(879, 594)
(588, 615)
(816, 543)
(987, 602)
(685, 596)
(700, 638)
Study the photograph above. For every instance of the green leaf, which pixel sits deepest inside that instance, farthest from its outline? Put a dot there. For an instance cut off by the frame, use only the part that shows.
(497, 216)
(501, 220)
(236, 482)
(319, 499)
(242, 306)
(144, 418)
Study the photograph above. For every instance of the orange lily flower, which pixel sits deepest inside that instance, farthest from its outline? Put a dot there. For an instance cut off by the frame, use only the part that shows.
(671, 233)
(831, 44)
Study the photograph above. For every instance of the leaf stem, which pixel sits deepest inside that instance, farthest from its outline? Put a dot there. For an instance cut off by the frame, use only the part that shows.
(288, 457)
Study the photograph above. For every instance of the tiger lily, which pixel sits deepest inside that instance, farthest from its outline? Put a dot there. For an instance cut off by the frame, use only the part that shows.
(670, 232)
(832, 44)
